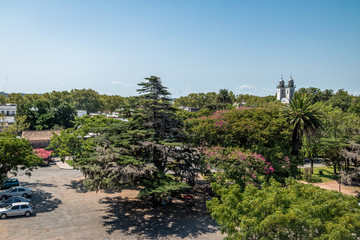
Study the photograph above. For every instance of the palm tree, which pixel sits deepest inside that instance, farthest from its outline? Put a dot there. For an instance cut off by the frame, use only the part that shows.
(304, 118)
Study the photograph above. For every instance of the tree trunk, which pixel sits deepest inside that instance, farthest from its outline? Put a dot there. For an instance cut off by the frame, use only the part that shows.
(334, 165)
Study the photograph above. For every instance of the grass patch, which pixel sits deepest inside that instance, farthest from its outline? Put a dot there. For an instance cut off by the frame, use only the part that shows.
(326, 176)
(70, 162)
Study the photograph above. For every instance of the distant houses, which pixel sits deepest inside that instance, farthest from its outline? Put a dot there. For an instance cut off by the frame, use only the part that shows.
(7, 114)
(190, 109)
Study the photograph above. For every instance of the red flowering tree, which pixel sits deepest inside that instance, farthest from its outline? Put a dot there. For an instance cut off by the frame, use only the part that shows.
(235, 166)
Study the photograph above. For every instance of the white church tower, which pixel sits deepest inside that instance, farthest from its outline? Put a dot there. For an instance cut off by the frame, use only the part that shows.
(281, 89)
(285, 92)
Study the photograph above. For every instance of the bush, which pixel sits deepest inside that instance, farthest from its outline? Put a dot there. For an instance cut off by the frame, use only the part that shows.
(296, 211)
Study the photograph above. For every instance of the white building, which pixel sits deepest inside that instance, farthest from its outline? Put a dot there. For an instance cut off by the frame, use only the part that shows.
(8, 109)
(285, 92)
(81, 113)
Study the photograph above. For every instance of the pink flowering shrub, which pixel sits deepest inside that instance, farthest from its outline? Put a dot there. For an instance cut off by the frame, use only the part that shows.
(234, 165)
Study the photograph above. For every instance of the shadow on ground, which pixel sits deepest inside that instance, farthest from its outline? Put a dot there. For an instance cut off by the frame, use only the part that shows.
(133, 216)
(44, 201)
(78, 185)
(37, 184)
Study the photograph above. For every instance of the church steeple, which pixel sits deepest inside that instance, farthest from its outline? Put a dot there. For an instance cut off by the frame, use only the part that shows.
(281, 82)
(280, 89)
(291, 82)
(285, 92)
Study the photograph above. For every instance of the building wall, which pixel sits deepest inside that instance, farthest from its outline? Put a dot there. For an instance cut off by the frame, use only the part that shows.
(8, 110)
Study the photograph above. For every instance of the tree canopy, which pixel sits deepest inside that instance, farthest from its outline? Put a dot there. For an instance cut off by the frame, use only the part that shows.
(297, 211)
(16, 154)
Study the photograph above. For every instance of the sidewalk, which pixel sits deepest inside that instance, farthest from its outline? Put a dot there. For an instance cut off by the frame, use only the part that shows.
(62, 165)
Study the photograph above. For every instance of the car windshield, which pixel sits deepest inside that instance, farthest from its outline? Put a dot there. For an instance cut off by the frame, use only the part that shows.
(8, 207)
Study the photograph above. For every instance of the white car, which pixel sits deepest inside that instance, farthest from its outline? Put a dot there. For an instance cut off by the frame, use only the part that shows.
(16, 209)
(16, 191)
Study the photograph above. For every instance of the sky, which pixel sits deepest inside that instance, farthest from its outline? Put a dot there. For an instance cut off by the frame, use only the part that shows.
(193, 46)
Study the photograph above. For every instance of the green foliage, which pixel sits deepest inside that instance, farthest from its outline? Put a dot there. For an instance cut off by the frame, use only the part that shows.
(257, 129)
(86, 99)
(41, 115)
(235, 166)
(137, 152)
(304, 118)
(256, 101)
(341, 99)
(161, 186)
(297, 211)
(16, 154)
(78, 141)
(198, 100)
(315, 94)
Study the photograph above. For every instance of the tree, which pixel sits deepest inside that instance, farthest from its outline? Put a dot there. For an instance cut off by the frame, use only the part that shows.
(79, 140)
(259, 130)
(340, 128)
(64, 115)
(86, 99)
(236, 166)
(304, 119)
(142, 151)
(340, 99)
(16, 154)
(351, 176)
(297, 211)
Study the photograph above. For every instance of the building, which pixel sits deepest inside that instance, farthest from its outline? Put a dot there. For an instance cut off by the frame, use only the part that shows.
(8, 109)
(80, 113)
(7, 115)
(39, 139)
(285, 92)
(190, 109)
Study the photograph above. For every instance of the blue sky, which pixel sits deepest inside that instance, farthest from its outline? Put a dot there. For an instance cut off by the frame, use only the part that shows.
(194, 46)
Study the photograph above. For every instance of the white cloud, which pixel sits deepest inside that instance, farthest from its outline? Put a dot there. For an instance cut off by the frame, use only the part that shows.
(115, 82)
(246, 87)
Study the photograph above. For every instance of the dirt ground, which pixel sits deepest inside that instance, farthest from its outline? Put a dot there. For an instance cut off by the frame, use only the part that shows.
(334, 185)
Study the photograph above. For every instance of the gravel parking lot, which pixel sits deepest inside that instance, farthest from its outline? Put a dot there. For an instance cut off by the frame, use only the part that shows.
(63, 210)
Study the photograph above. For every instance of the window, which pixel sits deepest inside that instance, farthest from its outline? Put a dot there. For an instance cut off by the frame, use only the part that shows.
(15, 208)
(21, 190)
(17, 200)
(24, 206)
(14, 190)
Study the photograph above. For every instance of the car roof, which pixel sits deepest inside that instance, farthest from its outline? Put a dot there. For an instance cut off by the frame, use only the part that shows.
(20, 203)
(18, 187)
(11, 179)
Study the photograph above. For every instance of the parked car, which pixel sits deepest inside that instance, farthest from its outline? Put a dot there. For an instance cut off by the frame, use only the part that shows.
(16, 191)
(16, 209)
(12, 200)
(10, 182)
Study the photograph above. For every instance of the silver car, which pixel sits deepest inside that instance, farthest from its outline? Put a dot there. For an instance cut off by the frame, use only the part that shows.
(16, 209)
(12, 200)
(16, 191)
